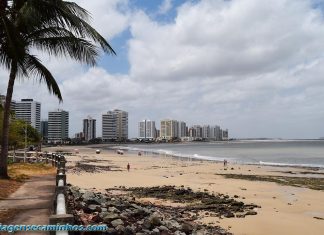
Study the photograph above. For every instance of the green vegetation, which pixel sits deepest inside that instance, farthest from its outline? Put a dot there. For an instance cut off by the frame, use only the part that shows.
(17, 134)
(307, 182)
(59, 28)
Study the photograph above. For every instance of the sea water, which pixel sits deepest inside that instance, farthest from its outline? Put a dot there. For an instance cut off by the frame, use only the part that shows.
(306, 153)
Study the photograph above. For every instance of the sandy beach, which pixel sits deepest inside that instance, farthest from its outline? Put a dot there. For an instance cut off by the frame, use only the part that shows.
(284, 209)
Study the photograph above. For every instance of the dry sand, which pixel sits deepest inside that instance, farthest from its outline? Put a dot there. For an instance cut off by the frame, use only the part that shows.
(284, 209)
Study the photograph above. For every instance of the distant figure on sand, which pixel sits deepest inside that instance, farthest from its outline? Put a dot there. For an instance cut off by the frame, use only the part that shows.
(128, 167)
(225, 162)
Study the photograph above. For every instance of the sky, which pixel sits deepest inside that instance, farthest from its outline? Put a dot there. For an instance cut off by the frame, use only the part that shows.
(254, 67)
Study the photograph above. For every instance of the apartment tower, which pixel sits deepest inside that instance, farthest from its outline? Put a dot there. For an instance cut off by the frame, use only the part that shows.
(169, 129)
(58, 126)
(115, 125)
(29, 111)
(146, 129)
(89, 128)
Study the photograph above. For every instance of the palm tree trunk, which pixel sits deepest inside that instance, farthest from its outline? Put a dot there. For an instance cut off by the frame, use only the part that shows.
(6, 115)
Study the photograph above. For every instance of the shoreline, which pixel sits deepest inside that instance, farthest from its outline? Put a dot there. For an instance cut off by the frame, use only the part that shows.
(285, 209)
(209, 158)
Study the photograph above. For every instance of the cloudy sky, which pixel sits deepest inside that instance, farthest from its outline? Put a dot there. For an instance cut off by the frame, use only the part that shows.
(254, 67)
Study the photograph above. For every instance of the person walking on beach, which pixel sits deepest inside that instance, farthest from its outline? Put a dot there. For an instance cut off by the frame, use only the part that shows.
(225, 162)
(128, 167)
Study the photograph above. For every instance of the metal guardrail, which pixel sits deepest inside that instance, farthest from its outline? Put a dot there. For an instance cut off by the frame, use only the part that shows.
(59, 215)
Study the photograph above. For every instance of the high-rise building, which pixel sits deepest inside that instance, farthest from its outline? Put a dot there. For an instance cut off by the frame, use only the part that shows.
(109, 126)
(58, 126)
(157, 133)
(44, 130)
(192, 132)
(146, 129)
(89, 128)
(224, 134)
(206, 132)
(115, 125)
(169, 129)
(79, 136)
(182, 129)
(121, 124)
(198, 131)
(29, 111)
(215, 133)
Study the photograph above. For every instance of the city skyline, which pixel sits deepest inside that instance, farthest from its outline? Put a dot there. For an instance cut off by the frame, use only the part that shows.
(266, 81)
(29, 110)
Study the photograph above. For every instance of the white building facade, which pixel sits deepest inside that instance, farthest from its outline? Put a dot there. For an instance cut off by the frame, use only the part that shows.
(169, 129)
(115, 125)
(29, 111)
(146, 129)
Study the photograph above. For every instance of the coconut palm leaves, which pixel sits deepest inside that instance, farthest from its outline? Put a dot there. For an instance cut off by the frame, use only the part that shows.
(57, 27)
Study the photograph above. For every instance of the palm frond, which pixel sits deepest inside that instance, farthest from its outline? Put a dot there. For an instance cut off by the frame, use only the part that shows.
(37, 69)
(77, 48)
(47, 14)
(77, 10)
(48, 32)
(12, 42)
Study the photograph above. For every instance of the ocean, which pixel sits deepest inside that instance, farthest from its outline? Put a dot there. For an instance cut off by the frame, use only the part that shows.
(304, 153)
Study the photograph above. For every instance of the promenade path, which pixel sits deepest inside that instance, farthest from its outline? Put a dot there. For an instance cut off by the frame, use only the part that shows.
(33, 202)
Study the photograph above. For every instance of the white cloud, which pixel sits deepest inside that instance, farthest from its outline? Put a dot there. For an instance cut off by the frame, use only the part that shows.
(252, 66)
(110, 18)
(165, 6)
(239, 58)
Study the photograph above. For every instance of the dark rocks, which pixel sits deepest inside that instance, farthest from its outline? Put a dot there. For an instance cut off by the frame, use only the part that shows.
(117, 222)
(88, 197)
(126, 216)
(80, 205)
(109, 217)
(147, 224)
(179, 233)
(155, 219)
(251, 213)
(91, 208)
(112, 231)
(155, 231)
(229, 215)
(96, 218)
(187, 228)
(172, 224)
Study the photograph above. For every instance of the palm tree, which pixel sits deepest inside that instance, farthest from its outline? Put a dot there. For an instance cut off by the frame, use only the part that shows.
(57, 27)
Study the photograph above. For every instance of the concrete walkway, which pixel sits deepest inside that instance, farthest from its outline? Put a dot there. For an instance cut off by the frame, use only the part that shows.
(33, 200)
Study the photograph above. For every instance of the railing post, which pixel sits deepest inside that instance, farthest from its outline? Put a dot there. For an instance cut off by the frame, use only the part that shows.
(60, 215)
